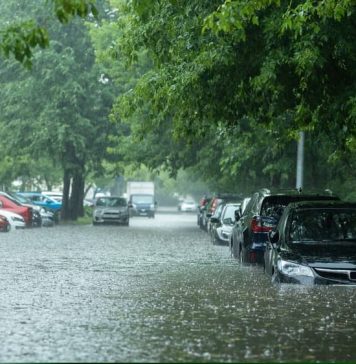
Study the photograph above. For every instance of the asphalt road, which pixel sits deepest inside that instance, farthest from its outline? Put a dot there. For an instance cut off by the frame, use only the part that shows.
(157, 291)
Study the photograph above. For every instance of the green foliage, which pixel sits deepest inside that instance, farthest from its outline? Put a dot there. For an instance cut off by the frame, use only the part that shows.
(65, 10)
(22, 37)
(20, 40)
(59, 109)
(231, 85)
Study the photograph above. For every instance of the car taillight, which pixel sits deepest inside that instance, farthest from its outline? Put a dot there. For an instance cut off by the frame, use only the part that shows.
(258, 226)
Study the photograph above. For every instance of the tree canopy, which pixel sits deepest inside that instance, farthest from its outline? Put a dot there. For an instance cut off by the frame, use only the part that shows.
(218, 88)
(233, 82)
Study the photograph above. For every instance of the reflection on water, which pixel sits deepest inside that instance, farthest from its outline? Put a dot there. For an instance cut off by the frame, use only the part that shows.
(158, 291)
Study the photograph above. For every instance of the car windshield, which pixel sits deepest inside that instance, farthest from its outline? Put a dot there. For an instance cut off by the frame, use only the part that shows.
(230, 212)
(142, 199)
(21, 198)
(111, 202)
(323, 225)
(189, 202)
(13, 199)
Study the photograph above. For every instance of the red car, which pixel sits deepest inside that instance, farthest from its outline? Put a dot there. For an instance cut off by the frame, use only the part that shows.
(11, 205)
(4, 224)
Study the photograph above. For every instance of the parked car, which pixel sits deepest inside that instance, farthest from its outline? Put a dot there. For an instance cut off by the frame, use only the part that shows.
(16, 221)
(262, 213)
(222, 222)
(314, 243)
(9, 204)
(188, 206)
(214, 203)
(57, 196)
(4, 224)
(111, 209)
(37, 211)
(42, 200)
(203, 204)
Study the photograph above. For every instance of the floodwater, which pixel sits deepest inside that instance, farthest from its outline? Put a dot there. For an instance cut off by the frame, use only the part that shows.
(158, 291)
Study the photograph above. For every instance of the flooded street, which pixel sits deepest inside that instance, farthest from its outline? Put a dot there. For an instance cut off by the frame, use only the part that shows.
(158, 291)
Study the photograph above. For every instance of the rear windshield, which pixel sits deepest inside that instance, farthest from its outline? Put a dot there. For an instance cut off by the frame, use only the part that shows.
(274, 205)
(323, 225)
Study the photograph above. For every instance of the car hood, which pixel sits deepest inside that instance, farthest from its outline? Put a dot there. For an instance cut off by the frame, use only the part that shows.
(324, 255)
(104, 209)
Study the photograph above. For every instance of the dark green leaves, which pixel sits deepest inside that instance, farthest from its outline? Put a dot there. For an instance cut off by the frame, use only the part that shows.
(20, 40)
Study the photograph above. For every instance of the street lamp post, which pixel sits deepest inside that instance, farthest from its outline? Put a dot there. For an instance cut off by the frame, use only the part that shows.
(300, 161)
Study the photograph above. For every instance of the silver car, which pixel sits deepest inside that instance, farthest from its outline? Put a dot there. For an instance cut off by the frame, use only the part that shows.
(111, 209)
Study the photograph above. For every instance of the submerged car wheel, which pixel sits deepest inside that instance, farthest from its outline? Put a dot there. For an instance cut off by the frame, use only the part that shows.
(234, 250)
(275, 278)
(213, 238)
(243, 256)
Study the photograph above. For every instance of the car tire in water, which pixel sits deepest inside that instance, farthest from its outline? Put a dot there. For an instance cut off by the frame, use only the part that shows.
(275, 278)
(234, 250)
(243, 256)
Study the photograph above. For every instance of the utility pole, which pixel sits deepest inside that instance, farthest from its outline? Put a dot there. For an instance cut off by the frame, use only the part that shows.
(300, 161)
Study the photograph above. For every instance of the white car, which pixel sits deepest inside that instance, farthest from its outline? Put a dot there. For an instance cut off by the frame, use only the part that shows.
(188, 205)
(16, 221)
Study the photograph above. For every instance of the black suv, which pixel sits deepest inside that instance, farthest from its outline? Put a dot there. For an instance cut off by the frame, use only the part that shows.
(250, 232)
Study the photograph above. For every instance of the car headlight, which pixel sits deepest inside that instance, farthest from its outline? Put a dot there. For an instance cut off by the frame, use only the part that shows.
(152, 206)
(294, 269)
(225, 233)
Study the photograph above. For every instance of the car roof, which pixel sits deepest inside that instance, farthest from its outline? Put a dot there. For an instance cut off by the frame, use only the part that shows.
(322, 204)
(111, 197)
(232, 204)
(295, 192)
(31, 193)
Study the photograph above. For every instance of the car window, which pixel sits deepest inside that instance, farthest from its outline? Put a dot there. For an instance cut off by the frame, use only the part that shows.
(274, 206)
(230, 212)
(251, 206)
(218, 211)
(101, 202)
(323, 225)
(118, 202)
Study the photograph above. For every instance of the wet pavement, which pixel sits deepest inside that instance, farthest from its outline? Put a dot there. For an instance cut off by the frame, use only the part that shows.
(158, 291)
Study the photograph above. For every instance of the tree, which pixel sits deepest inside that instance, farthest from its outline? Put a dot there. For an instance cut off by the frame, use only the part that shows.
(59, 108)
(21, 37)
(255, 72)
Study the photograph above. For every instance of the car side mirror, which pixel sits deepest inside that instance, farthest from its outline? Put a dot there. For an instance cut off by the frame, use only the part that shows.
(237, 215)
(129, 205)
(273, 237)
(214, 220)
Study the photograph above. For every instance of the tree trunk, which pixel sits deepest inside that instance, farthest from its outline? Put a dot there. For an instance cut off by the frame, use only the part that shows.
(65, 211)
(77, 195)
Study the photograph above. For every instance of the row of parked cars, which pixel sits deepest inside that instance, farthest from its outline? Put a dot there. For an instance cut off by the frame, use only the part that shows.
(297, 236)
(27, 209)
